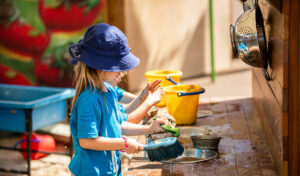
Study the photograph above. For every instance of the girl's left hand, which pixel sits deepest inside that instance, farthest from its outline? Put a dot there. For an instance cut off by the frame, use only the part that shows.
(154, 85)
(156, 126)
(155, 97)
(150, 87)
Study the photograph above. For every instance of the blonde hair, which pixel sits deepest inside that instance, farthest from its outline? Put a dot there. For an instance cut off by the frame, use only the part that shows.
(86, 76)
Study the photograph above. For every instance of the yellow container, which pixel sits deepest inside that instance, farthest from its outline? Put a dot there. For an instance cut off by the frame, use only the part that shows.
(168, 77)
(182, 102)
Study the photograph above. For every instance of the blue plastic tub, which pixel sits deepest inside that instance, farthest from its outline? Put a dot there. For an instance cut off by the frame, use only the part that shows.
(46, 105)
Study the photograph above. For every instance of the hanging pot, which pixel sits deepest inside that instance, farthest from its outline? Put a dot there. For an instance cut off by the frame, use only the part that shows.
(248, 39)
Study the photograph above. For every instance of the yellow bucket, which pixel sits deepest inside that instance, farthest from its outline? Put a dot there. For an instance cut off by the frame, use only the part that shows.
(182, 102)
(168, 77)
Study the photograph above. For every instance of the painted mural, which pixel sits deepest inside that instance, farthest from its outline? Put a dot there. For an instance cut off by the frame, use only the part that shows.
(35, 35)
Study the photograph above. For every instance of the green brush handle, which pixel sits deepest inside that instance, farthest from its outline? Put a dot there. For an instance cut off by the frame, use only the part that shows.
(172, 130)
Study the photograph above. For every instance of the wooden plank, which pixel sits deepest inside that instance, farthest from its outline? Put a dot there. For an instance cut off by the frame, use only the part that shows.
(293, 81)
(277, 4)
(270, 113)
(247, 164)
(285, 134)
(262, 149)
(114, 13)
(226, 165)
(273, 20)
(201, 168)
(245, 157)
(281, 94)
(221, 123)
(277, 35)
(286, 65)
(285, 168)
(166, 169)
(286, 7)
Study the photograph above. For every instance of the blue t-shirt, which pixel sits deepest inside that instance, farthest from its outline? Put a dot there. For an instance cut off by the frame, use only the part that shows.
(120, 93)
(92, 117)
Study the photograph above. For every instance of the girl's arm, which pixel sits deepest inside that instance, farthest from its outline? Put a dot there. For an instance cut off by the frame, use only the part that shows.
(128, 97)
(131, 129)
(104, 143)
(141, 111)
(143, 95)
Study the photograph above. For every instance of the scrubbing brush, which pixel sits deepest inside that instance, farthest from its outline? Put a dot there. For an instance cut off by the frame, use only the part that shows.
(163, 149)
(170, 129)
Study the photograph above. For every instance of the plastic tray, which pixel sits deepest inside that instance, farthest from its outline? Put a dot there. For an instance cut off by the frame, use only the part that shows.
(46, 105)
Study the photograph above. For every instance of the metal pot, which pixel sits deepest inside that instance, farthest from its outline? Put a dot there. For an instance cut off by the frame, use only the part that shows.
(206, 141)
(248, 39)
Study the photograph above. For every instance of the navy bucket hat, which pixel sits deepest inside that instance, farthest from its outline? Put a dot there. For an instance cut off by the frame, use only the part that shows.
(104, 47)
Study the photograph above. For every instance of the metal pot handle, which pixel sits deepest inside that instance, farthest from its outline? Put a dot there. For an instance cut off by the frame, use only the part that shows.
(267, 76)
(232, 40)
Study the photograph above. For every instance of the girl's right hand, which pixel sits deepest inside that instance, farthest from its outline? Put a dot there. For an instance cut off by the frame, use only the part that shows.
(133, 146)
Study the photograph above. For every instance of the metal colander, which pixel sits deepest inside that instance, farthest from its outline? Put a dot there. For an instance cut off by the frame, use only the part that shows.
(248, 39)
(243, 25)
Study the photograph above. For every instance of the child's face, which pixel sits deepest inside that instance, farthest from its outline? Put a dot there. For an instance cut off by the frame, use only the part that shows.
(113, 78)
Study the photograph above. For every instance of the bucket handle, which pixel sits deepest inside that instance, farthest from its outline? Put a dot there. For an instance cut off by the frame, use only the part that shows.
(25, 140)
(180, 94)
(171, 80)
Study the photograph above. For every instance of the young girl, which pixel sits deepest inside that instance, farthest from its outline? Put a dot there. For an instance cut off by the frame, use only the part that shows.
(96, 123)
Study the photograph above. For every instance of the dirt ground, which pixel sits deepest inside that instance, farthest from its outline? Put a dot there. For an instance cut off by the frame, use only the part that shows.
(47, 166)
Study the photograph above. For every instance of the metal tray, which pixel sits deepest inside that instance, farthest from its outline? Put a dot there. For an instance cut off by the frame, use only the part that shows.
(193, 155)
(201, 113)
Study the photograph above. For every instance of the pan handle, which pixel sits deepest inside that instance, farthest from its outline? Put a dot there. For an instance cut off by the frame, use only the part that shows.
(267, 76)
(232, 40)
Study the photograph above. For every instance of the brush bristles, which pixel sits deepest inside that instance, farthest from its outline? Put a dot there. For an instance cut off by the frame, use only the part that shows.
(165, 153)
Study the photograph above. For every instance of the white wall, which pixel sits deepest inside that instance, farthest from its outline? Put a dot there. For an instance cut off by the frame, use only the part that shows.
(175, 34)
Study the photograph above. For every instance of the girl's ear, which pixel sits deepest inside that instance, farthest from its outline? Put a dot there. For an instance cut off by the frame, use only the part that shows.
(125, 73)
(121, 75)
(102, 75)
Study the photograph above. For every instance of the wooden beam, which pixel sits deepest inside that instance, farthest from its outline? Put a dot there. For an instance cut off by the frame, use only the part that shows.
(293, 80)
(115, 15)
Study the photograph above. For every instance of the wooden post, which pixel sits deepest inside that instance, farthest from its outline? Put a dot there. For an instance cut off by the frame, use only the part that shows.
(115, 15)
(293, 79)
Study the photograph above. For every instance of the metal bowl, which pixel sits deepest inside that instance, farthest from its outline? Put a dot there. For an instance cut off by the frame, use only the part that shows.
(193, 155)
(206, 141)
(248, 39)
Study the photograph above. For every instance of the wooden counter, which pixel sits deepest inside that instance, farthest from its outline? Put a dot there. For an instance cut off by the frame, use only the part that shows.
(243, 149)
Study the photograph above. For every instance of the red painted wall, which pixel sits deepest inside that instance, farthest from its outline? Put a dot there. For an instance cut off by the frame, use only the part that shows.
(35, 35)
